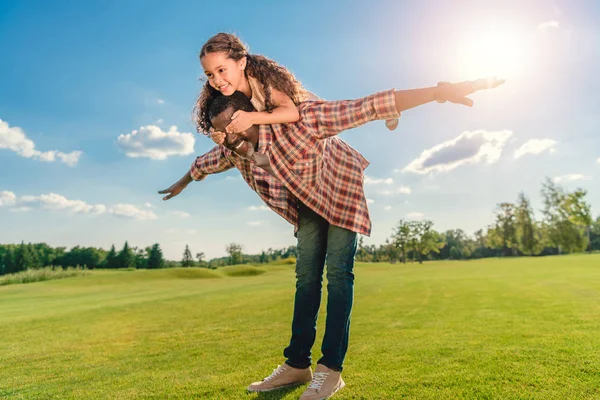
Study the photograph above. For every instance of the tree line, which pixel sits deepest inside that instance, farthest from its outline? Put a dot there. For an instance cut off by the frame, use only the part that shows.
(19, 257)
(566, 226)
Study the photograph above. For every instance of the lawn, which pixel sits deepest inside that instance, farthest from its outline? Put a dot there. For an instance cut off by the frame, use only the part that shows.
(525, 328)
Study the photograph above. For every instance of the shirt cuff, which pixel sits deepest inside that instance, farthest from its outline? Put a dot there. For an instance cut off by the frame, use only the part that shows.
(385, 105)
(195, 172)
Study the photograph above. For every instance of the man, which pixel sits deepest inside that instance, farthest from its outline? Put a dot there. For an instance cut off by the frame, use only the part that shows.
(314, 180)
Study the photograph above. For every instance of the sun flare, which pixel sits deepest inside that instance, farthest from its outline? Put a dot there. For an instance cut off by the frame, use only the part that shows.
(492, 52)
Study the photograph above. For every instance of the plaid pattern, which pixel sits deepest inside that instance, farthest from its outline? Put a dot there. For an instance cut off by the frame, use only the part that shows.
(310, 164)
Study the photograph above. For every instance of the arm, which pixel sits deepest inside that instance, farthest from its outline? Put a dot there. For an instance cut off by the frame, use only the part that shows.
(211, 162)
(284, 112)
(444, 91)
(325, 119)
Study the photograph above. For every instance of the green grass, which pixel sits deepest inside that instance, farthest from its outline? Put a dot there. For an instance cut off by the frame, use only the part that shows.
(525, 328)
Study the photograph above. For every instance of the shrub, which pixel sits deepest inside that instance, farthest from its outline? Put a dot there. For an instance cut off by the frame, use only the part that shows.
(42, 274)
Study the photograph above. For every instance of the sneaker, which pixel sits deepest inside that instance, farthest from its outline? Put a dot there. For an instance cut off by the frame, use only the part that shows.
(282, 376)
(324, 384)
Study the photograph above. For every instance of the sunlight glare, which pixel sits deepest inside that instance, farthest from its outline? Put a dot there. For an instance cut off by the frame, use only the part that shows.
(492, 52)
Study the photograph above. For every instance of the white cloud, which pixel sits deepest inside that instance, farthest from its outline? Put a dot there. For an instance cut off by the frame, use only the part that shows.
(53, 201)
(57, 202)
(536, 146)
(7, 198)
(415, 215)
(571, 178)
(20, 209)
(397, 191)
(130, 211)
(370, 201)
(159, 121)
(387, 208)
(598, 160)
(152, 142)
(15, 139)
(552, 24)
(191, 231)
(254, 223)
(149, 205)
(468, 148)
(181, 214)
(160, 101)
(258, 208)
(371, 181)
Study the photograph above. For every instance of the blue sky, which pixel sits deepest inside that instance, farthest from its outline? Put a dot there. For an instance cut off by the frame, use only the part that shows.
(83, 83)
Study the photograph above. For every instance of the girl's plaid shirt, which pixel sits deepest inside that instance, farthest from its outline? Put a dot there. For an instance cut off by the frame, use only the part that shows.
(310, 164)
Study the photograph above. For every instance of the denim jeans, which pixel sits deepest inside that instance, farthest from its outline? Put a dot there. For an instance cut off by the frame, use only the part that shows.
(319, 241)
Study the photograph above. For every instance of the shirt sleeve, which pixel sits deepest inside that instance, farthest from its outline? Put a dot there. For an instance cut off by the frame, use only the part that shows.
(328, 118)
(212, 162)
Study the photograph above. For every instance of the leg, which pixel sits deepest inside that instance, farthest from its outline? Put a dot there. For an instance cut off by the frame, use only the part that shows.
(312, 245)
(341, 249)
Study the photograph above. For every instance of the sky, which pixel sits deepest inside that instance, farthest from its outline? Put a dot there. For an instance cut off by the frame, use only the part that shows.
(96, 102)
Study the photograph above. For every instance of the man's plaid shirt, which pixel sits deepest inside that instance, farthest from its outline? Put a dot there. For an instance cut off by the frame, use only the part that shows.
(309, 163)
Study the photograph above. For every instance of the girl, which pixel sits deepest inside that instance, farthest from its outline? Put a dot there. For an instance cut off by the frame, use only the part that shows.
(272, 89)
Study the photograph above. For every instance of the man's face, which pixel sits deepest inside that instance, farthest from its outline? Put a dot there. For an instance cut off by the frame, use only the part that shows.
(243, 144)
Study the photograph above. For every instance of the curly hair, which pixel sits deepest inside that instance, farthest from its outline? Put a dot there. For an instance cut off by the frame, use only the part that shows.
(266, 71)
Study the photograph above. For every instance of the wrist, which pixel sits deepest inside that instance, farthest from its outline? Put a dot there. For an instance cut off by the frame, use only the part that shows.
(437, 93)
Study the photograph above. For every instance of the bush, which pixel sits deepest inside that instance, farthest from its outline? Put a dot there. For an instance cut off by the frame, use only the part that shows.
(242, 270)
(42, 274)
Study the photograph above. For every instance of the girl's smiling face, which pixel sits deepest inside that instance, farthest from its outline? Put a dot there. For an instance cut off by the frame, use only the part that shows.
(224, 74)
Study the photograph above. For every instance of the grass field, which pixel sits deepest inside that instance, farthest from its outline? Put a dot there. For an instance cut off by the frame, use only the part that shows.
(526, 328)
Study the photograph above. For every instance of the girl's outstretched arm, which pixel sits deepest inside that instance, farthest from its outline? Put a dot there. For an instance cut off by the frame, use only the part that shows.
(444, 91)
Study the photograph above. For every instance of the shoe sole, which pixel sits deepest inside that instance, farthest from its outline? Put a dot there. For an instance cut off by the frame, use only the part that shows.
(275, 388)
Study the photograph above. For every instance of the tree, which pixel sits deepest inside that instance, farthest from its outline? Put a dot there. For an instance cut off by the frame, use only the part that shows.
(564, 213)
(458, 245)
(140, 257)
(506, 227)
(424, 239)
(155, 257)
(126, 258)
(22, 258)
(580, 213)
(201, 259)
(401, 238)
(235, 253)
(526, 233)
(9, 260)
(187, 260)
(111, 261)
(595, 235)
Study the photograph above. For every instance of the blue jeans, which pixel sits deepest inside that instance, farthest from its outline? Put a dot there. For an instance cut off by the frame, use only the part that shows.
(319, 241)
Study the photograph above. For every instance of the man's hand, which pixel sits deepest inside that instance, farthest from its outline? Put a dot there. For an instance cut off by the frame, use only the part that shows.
(177, 187)
(241, 121)
(458, 92)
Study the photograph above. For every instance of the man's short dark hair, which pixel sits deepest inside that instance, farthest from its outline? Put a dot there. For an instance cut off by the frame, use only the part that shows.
(237, 101)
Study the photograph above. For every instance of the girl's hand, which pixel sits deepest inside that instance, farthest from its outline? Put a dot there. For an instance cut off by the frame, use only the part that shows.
(458, 92)
(241, 121)
(217, 137)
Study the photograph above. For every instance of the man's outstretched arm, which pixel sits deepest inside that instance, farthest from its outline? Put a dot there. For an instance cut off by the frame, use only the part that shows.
(212, 162)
